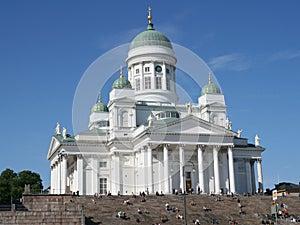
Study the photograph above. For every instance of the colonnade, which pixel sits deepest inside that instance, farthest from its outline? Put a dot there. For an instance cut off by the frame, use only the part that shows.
(59, 173)
(230, 176)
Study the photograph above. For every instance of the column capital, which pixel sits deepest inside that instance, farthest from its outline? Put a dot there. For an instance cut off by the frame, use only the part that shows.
(217, 147)
(201, 147)
(259, 160)
(230, 147)
(166, 145)
(181, 145)
(148, 145)
(79, 157)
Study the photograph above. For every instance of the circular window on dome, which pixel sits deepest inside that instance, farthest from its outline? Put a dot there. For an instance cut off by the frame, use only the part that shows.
(158, 69)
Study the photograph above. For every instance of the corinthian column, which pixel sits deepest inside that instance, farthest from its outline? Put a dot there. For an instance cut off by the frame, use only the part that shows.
(231, 170)
(150, 170)
(216, 169)
(166, 169)
(200, 167)
(181, 164)
(259, 175)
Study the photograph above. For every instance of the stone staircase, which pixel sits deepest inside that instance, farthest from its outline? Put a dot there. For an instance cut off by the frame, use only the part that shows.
(104, 210)
(78, 210)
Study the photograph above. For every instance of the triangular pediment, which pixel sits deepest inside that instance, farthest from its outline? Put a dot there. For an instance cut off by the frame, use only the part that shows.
(54, 145)
(192, 125)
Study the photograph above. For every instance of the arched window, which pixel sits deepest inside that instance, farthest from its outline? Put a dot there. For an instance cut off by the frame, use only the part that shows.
(124, 119)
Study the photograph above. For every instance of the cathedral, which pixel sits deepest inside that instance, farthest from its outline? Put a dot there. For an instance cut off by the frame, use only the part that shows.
(144, 140)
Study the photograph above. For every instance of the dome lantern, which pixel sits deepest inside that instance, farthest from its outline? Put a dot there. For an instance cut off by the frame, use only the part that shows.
(210, 88)
(150, 36)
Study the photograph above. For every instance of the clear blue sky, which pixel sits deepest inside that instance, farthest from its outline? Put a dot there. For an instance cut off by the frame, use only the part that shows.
(252, 47)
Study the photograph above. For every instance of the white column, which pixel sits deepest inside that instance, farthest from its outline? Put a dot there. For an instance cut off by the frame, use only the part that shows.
(59, 186)
(55, 178)
(259, 175)
(248, 175)
(166, 169)
(200, 168)
(51, 178)
(253, 177)
(150, 168)
(181, 164)
(63, 174)
(79, 179)
(231, 170)
(216, 169)
(143, 171)
(225, 173)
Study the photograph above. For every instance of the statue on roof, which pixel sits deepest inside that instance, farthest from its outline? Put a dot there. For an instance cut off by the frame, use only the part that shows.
(228, 124)
(57, 129)
(64, 133)
(189, 108)
(257, 138)
(239, 133)
(150, 120)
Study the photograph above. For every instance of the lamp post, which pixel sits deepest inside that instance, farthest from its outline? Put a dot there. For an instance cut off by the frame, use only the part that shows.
(184, 191)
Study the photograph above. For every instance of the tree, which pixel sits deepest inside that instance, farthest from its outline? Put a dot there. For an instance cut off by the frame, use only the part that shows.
(7, 182)
(12, 184)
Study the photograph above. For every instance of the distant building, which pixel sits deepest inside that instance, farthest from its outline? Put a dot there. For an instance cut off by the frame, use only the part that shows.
(145, 140)
(287, 188)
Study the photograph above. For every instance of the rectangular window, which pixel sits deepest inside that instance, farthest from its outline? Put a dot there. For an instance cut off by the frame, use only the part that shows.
(137, 84)
(102, 164)
(137, 71)
(103, 186)
(158, 82)
(147, 69)
(147, 82)
(168, 82)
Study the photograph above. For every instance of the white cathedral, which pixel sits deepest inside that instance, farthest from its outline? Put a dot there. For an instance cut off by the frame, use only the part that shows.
(143, 140)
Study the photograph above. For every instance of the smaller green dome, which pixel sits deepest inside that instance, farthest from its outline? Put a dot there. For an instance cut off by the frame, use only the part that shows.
(121, 82)
(99, 106)
(210, 88)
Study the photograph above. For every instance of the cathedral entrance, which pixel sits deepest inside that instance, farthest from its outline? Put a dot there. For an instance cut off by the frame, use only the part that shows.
(188, 182)
(188, 185)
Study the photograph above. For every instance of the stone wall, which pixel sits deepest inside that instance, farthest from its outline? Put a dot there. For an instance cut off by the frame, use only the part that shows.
(45, 209)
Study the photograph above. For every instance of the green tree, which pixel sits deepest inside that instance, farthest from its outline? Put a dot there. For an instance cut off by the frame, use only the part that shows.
(12, 184)
(7, 182)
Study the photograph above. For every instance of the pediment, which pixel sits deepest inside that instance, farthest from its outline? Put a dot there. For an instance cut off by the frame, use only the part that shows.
(54, 145)
(192, 125)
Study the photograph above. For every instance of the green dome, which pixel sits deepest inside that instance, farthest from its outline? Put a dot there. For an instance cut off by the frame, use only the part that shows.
(210, 88)
(99, 106)
(150, 37)
(121, 82)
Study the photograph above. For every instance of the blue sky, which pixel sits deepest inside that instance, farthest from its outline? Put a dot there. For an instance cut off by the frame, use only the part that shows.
(252, 47)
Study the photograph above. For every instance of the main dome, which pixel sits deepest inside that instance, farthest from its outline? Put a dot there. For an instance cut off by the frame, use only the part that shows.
(150, 37)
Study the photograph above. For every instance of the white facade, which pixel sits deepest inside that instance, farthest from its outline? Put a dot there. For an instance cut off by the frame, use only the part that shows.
(147, 141)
